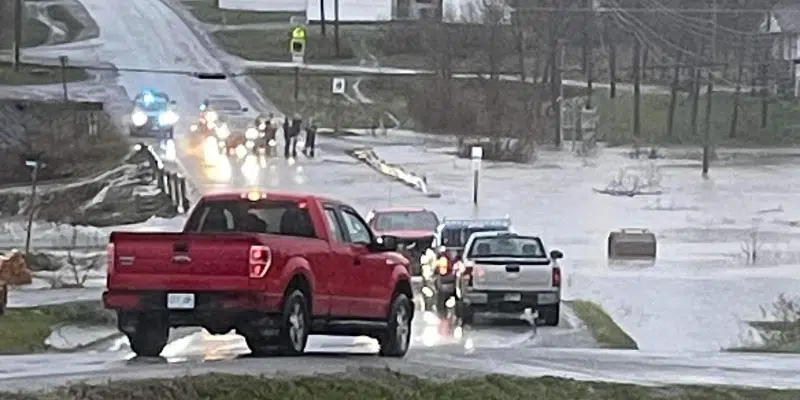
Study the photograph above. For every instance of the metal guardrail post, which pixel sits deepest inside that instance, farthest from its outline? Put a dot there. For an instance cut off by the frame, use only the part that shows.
(168, 183)
(184, 198)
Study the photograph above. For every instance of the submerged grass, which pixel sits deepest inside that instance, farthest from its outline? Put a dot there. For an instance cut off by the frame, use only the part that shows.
(24, 330)
(603, 328)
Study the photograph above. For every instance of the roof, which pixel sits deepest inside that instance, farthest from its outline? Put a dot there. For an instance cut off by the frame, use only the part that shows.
(399, 209)
(270, 194)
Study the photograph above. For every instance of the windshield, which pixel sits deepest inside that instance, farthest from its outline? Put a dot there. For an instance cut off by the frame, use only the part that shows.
(224, 105)
(505, 246)
(457, 237)
(406, 221)
(157, 104)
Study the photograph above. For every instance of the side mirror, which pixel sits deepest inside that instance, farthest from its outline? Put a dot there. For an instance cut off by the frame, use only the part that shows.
(245, 109)
(385, 243)
(556, 254)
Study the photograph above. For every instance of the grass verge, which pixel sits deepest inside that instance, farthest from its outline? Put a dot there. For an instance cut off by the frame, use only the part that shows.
(34, 33)
(603, 328)
(29, 74)
(616, 120)
(24, 330)
(273, 44)
(315, 100)
(60, 13)
(207, 11)
(385, 384)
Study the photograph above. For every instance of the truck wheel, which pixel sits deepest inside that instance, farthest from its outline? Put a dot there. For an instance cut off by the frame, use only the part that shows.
(395, 341)
(150, 337)
(295, 324)
(550, 314)
(261, 346)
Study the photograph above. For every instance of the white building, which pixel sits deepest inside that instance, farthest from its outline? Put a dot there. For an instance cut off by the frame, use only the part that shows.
(370, 10)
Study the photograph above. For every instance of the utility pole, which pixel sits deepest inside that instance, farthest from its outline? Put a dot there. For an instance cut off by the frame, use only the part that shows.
(637, 91)
(296, 90)
(17, 46)
(709, 92)
(336, 28)
(322, 17)
(34, 163)
(558, 91)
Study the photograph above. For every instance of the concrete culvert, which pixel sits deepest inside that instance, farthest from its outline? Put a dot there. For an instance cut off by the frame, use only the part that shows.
(632, 244)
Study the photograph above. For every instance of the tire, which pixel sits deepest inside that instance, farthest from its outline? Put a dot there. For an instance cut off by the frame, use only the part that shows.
(295, 325)
(396, 340)
(150, 337)
(550, 315)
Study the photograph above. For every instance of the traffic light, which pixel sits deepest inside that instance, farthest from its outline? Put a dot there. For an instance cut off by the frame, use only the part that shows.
(297, 43)
(298, 47)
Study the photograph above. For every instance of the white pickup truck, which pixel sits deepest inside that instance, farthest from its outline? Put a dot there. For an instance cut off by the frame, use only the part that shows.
(504, 274)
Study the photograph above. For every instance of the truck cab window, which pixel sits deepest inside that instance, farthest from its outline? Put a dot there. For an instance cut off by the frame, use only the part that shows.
(216, 219)
(333, 225)
(358, 231)
(274, 217)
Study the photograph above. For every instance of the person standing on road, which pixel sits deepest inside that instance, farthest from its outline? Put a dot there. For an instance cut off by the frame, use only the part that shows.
(289, 142)
(311, 139)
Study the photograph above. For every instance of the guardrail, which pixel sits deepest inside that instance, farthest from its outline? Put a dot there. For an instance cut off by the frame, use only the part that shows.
(171, 183)
(368, 156)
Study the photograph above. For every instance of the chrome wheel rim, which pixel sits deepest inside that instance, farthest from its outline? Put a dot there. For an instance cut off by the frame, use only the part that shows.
(402, 328)
(297, 327)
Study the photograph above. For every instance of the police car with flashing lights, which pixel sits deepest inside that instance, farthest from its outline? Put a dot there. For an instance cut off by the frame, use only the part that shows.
(438, 262)
(505, 274)
(153, 115)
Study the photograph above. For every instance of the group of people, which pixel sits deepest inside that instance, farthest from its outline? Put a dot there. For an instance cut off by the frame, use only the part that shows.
(291, 132)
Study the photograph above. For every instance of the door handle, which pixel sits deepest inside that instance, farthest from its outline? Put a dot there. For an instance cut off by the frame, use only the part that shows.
(181, 259)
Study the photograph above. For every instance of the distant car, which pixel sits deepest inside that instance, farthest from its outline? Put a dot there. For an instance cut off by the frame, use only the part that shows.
(153, 115)
(438, 272)
(212, 108)
(414, 228)
(505, 274)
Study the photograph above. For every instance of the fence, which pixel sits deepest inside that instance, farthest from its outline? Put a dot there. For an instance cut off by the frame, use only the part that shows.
(171, 183)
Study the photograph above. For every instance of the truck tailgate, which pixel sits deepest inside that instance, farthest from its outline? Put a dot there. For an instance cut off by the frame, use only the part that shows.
(175, 261)
(514, 274)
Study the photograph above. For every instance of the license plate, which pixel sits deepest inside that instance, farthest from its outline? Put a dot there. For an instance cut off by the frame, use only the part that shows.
(512, 297)
(547, 298)
(180, 301)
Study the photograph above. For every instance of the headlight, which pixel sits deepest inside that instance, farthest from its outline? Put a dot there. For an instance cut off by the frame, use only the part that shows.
(211, 116)
(272, 143)
(262, 126)
(139, 118)
(251, 133)
(168, 118)
(223, 132)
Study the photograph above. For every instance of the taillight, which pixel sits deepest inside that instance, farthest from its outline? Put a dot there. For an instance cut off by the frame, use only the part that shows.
(110, 253)
(556, 277)
(260, 261)
(471, 272)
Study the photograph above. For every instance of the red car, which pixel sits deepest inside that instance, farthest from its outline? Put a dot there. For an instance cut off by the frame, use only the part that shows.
(413, 227)
(275, 267)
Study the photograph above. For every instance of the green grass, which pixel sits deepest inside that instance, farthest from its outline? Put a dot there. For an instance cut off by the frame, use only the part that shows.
(385, 384)
(34, 33)
(38, 75)
(316, 101)
(616, 120)
(207, 11)
(778, 337)
(61, 14)
(273, 44)
(605, 331)
(24, 330)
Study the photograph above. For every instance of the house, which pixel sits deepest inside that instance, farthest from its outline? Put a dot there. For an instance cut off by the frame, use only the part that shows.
(355, 11)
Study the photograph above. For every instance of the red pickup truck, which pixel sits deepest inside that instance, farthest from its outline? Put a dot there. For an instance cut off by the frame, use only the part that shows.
(276, 267)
